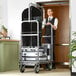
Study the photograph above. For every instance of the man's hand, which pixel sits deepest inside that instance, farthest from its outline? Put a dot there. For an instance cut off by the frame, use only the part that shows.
(48, 23)
(54, 27)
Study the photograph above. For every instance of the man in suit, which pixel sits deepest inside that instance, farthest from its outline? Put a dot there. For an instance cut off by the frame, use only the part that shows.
(48, 23)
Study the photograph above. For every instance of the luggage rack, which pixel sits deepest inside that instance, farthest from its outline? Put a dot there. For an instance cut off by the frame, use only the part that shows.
(33, 52)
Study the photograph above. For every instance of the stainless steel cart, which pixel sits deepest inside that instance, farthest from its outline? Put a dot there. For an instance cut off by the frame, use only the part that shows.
(32, 53)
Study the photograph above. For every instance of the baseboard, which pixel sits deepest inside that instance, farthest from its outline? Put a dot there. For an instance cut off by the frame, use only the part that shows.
(62, 63)
(73, 73)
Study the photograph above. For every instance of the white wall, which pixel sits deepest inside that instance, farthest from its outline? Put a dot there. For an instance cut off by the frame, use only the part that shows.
(73, 14)
(3, 12)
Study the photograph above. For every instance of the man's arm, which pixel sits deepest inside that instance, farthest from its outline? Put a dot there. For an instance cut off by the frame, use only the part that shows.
(55, 24)
(43, 23)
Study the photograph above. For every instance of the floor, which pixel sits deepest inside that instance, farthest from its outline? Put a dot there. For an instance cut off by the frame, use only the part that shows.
(30, 72)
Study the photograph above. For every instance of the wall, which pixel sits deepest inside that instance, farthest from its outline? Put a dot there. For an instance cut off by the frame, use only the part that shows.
(3, 13)
(73, 24)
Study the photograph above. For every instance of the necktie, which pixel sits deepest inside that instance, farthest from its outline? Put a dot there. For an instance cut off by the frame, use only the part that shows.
(48, 19)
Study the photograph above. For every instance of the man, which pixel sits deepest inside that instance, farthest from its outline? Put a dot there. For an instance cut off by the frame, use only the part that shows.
(48, 23)
(52, 21)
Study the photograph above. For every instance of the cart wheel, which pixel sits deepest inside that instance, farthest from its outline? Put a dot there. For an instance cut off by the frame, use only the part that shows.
(36, 68)
(22, 68)
(49, 66)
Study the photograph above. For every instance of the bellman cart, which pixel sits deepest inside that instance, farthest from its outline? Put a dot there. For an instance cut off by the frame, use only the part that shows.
(33, 52)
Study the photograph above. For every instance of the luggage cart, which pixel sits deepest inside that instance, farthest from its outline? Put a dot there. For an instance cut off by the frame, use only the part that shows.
(32, 52)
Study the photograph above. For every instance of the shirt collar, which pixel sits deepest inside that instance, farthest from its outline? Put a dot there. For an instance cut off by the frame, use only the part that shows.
(50, 17)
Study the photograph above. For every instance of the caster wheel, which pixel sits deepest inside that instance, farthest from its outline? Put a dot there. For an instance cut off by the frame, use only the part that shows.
(22, 68)
(36, 68)
(49, 66)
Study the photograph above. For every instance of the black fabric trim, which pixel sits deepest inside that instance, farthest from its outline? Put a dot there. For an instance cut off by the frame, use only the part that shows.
(73, 73)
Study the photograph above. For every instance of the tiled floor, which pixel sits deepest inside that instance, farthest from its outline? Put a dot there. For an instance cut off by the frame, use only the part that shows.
(30, 72)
